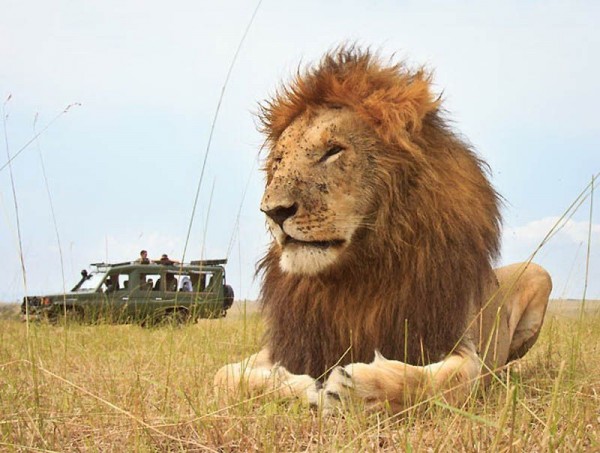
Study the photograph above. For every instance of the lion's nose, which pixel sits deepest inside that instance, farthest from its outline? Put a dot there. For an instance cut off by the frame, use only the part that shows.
(280, 214)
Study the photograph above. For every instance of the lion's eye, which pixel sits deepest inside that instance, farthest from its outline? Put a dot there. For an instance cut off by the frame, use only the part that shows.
(331, 152)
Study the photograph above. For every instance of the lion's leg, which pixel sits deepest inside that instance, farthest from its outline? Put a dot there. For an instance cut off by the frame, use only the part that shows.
(527, 289)
(258, 374)
(401, 385)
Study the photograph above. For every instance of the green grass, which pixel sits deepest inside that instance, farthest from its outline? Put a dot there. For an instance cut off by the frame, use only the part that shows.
(127, 388)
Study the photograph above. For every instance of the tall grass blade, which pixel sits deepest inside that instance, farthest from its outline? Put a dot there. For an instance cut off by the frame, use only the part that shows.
(212, 127)
(44, 129)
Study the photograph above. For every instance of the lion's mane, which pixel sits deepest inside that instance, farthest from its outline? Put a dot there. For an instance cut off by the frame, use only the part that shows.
(409, 277)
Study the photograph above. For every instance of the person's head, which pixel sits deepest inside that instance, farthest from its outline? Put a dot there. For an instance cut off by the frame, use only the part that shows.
(164, 256)
(144, 254)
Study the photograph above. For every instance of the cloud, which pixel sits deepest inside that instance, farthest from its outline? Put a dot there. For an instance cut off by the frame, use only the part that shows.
(564, 255)
(571, 230)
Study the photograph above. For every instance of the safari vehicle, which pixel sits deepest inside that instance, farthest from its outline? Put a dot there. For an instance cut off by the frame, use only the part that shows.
(146, 293)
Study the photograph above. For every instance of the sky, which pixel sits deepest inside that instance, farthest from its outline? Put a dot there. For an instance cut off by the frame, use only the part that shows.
(121, 167)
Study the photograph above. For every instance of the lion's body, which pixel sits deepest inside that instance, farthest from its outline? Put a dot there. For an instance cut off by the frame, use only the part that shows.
(385, 229)
(395, 327)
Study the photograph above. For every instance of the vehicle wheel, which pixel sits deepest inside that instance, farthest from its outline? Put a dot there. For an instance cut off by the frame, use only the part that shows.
(71, 315)
(228, 296)
(175, 317)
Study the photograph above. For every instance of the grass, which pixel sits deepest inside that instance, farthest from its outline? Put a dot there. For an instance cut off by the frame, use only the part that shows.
(127, 388)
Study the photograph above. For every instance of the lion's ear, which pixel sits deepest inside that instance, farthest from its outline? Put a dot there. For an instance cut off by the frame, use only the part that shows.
(401, 106)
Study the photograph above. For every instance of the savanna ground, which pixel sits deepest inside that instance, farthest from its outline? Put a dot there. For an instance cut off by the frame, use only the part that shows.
(128, 388)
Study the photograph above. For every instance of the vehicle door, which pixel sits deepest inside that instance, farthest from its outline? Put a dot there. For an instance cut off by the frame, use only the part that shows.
(179, 291)
(115, 301)
(147, 296)
(209, 292)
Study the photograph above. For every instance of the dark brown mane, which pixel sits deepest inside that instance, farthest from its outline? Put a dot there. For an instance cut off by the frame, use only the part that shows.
(404, 286)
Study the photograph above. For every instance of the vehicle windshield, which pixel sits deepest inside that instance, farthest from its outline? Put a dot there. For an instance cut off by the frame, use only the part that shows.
(92, 282)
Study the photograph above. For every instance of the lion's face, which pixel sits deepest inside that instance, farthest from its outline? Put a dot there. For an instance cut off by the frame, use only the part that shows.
(317, 193)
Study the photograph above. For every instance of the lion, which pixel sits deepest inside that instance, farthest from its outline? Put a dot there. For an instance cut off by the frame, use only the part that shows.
(379, 282)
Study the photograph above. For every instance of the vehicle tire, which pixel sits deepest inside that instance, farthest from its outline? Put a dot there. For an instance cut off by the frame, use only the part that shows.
(69, 316)
(228, 295)
(175, 317)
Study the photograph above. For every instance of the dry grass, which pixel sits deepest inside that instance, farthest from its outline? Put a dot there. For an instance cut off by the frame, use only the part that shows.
(126, 388)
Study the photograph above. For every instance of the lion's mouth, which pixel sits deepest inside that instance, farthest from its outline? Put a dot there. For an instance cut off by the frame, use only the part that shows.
(316, 244)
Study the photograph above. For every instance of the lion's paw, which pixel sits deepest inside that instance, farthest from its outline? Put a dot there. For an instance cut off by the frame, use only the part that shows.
(353, 382)
(297, 385)
(373, 384)
(339, 386)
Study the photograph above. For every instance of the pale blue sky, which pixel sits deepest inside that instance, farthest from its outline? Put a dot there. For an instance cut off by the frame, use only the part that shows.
(520, 81)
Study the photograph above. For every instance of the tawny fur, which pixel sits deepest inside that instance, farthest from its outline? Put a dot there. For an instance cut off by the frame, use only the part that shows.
(385, 229)
(435, 217)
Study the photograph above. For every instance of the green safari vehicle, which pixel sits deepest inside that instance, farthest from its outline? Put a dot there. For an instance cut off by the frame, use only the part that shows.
(145, 293)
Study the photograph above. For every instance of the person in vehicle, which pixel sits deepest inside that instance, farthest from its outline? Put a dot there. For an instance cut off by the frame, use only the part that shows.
(171, 282)
(143, 259)
(164, 259)
(111, 284)
(186, 284)
(150, 283)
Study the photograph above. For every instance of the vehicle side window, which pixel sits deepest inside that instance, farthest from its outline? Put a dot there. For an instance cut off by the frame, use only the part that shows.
(212, 281)
(172, 281)
(123, 281)
(149, 282)
(111, 284)
(199, 282)
(184, 283)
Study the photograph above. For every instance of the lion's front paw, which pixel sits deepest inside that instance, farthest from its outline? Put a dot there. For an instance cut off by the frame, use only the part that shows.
(338, 388)
(296, 385)
(357, 381)
(375, 384)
